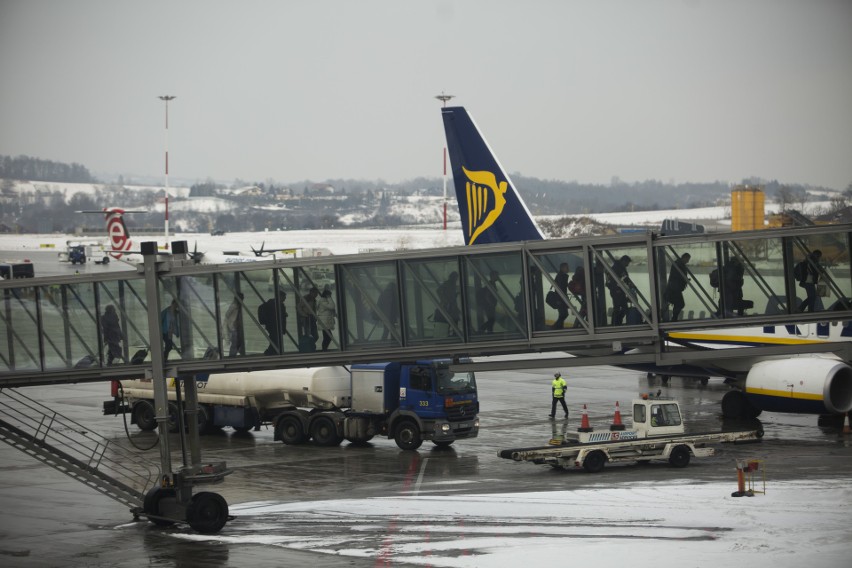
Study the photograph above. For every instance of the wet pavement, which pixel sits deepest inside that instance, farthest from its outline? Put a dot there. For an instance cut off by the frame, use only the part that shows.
(49, 519)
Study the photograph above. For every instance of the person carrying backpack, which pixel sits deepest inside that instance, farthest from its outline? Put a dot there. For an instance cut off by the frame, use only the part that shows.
(807, 273)
(676, 284)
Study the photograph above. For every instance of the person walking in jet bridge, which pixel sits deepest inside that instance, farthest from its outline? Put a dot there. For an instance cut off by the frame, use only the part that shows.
(326, 312)
(488, 301)
(678, 280)
(170, 327)
(617, 286)
(113, 336)
(807, 273)
(558, 388)
(561, 280)
(234, 326)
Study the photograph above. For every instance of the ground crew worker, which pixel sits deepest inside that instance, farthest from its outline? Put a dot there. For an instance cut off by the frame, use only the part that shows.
(558, 386)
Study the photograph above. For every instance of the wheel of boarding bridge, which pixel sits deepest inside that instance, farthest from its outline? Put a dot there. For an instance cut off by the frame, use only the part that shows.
(407, 435)
(290, 431)
(207, 512)
(443, 443)
(151, 504)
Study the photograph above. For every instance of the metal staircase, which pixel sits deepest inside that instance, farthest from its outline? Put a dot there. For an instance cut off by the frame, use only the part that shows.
(71, 448)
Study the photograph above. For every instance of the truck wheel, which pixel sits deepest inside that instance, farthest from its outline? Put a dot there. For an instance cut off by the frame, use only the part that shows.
(290, 431)
(174, 417)
(679, 457)
(205, 419)
(594, 462)
(407, 435)
(151, 504)
(324, 432)
(207, 512)
(143, 415)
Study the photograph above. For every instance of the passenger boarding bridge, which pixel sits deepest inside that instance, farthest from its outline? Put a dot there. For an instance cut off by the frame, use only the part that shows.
(450, 302)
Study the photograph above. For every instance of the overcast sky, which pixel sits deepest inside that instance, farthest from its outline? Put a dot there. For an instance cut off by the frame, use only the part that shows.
(681, 90)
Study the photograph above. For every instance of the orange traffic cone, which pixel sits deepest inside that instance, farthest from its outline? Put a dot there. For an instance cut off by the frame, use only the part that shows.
(584, 424)
(616, 421)
(846, 420)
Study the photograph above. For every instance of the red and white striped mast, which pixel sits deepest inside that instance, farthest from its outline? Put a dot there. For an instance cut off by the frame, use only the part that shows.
(444, 98)
(167, 98)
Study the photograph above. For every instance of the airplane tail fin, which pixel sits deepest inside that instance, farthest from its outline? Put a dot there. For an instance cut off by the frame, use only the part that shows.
(491, 209)
(119, 237)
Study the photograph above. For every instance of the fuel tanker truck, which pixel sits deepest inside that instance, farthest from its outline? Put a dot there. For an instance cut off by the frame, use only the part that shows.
(409, 402)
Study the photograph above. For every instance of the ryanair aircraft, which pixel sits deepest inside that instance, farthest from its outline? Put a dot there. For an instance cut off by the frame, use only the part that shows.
(492, 211)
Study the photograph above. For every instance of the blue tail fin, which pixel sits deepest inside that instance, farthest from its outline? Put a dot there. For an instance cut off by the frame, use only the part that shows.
(491, 209)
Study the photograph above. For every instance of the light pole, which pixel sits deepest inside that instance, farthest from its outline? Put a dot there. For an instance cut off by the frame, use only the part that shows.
(167, 98)
(444, 98)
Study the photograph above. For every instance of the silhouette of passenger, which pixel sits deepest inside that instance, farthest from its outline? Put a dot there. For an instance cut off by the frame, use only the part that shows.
(170, 327)
(733, 273)
(449, 312)
(234, 326)
(561, 280)
(488, 302)
(274, 323)
(113, 336)
(306, 314)
(676, 284)
(577, 286)
(389, 307)
(810, 274)
(617, 289)
(326, 313)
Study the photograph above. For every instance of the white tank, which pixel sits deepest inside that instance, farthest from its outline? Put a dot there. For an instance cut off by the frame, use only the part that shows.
(309, 387)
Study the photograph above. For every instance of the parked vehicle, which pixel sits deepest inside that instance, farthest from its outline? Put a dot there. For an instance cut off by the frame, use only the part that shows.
(657, 434)
(409, 402)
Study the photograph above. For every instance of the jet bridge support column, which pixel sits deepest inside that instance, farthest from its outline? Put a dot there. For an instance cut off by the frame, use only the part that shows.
(161, 398)
(190, 387)
(173, 499)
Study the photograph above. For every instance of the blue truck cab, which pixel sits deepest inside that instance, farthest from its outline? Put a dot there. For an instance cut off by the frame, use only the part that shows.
(413, 402)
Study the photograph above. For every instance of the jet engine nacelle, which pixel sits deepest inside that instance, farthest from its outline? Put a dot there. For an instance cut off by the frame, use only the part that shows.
(807, 385)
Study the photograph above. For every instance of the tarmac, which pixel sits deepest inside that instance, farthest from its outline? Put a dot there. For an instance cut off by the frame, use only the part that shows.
(51, 520)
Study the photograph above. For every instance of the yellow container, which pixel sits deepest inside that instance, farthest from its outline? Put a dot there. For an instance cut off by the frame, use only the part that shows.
(747, 208)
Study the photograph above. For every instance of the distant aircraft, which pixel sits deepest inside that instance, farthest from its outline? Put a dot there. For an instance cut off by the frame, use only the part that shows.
(492, 211)
(122, 247)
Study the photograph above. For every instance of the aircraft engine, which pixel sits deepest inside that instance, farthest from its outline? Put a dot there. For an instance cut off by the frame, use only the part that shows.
(808, 385)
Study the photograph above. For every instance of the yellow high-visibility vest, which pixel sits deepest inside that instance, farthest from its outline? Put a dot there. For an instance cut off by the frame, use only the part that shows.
(559, 385)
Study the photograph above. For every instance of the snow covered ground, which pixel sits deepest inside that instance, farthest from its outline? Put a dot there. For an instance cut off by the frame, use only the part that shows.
(647, 524)
(339, 241)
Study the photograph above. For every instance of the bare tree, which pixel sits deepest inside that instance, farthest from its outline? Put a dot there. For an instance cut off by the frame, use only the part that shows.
(785, 196)
(802, 197)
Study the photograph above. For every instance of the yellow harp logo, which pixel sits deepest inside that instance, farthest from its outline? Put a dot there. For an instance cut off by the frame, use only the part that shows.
(485, 202)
